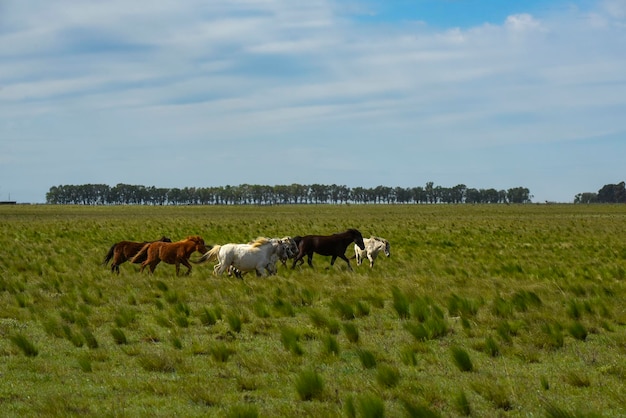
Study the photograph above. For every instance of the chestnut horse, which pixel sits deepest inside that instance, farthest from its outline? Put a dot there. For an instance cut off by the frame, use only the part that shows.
(330, 245)
(123, 251)
(176, 253)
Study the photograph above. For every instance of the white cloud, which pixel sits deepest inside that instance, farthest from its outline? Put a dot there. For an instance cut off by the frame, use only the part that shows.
(196, 72)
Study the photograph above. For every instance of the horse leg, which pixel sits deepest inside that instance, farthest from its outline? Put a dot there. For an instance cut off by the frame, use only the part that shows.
(371, 257)
(153, 265)
(343, 257)
(310, 259)
(186, 264)
(295, 260)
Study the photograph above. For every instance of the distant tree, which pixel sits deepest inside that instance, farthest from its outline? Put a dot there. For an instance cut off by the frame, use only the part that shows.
(518, 195)
(245, 194)
(612, 193)
(586, 198)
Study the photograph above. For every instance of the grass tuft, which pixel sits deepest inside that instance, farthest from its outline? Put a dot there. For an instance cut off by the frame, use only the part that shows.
(578, 331)
(400, 303)
(24, 344)
(309, 385)
(290, 339)
(462, 359)
(351, 331)
(462, 405)
(243, 411)
(118, 336)
(367, 358)
(387, 376)
(221, 352)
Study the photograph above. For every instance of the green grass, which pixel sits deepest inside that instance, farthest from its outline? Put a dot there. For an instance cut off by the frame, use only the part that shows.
(532, 295)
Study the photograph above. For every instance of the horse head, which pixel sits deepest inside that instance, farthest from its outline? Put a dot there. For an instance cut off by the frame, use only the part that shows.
(199, 244)
(357, 238)
(290, 245)
(384, 245)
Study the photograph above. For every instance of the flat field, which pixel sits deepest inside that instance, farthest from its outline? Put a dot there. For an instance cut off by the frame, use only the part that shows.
(480, 311)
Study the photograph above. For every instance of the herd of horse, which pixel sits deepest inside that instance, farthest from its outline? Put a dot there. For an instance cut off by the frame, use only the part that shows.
(260, 256)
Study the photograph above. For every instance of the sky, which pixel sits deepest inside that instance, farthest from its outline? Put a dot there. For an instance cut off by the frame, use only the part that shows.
(196, 93)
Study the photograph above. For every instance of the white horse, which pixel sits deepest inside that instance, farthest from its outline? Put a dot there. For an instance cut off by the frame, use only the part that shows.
(373, 245)
(287, 250)
(260, 256)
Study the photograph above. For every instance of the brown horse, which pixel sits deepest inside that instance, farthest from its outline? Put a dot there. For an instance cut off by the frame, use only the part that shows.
(176, 253)
(330, 245)
(123, 251)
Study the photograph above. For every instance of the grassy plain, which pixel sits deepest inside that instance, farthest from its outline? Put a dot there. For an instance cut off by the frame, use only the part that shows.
(479, 311)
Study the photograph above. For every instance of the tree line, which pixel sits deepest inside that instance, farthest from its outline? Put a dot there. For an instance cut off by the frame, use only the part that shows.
(249, 194)
(609, 193)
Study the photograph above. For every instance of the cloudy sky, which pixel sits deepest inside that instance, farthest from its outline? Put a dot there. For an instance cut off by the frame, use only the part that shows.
(199, 93)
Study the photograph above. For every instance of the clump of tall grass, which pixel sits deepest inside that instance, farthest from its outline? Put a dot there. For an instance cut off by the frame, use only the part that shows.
(84, 362)
(432, 328)
(243, 411)
(501, 308)
(361, 309)
(401, 303)
(318, 319)
(351, 331)
(290, 339)
(462, 405)
(418, 410)
(118, 336)
(283, 307)
(463, 307)
(367, 405)
(367, 358)
(574, 310)
(234, 322)
(387, 376)
(330, 345)
(261, 309)
(491, 347)
(24, 344)
(208, 316)
(221, 352)
(344, 310)
(522, 300)
(125, 317)
(408, 356)
(493, 393)
(462, 359)
(577, 380)
(159, 362)
(578, 331)
(553, 333)
(90, 339)
(309, 385)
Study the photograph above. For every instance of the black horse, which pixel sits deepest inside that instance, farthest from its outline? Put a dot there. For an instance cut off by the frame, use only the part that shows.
(333, 245)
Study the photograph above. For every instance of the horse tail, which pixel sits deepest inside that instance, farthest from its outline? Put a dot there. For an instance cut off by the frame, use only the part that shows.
(109, 255)
(209, 255)
(141, 255)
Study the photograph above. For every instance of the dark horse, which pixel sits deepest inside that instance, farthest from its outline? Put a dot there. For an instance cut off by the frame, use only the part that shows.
(122, 251)
(176, 253)
(333, 245)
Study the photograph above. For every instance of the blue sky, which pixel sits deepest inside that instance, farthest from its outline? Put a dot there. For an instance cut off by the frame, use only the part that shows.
(359, 93)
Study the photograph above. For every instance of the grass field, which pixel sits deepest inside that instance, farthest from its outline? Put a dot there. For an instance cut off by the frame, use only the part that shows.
(480, 311)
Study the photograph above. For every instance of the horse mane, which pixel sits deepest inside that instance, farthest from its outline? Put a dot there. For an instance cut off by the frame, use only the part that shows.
(379, 239)
(195, 238)
(259, 242)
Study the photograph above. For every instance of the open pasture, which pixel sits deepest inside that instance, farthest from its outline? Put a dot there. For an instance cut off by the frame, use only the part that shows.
(480, 311)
